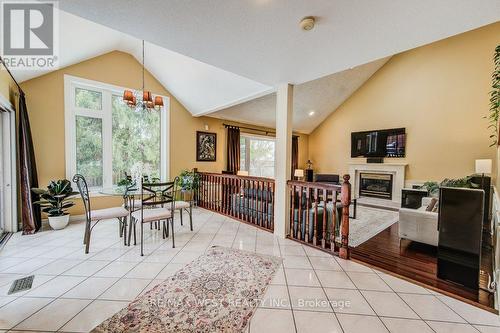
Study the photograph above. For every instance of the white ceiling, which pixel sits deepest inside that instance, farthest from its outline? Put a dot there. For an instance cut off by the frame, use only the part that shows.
(261, 39)
(201, 88)
(322, 96)
(244, 48)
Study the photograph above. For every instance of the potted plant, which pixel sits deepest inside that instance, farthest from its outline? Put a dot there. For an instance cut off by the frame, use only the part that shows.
(55, 201)
(433, 187)
(188, 182)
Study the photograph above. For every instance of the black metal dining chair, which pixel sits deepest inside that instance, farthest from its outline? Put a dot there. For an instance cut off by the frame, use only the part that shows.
(184, 203)
(92, 217)
(157, 204)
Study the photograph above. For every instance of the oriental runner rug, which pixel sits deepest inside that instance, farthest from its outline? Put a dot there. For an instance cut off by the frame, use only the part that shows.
(218, 292)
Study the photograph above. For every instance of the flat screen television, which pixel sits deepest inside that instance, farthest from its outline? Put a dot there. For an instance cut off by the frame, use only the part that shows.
(379, 143)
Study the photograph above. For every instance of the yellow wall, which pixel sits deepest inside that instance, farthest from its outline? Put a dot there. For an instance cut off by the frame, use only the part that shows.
(439, 92)
(7, 86)
(45, 101)
(183, 145)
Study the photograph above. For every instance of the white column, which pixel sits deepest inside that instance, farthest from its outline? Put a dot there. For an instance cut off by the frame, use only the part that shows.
(283, 158)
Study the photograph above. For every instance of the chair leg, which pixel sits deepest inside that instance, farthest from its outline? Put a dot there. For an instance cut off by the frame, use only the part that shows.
(163, 229)
(87, 239)
(167, 232)
(151, 225)
(142, 239)
(125, 230)
(180, 213)
(120, 226)
(173, 237)
(130, 230)
(191, 217)
(135, 238)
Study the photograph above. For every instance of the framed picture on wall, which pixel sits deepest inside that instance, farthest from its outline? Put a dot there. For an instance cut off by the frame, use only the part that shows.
(206, 146)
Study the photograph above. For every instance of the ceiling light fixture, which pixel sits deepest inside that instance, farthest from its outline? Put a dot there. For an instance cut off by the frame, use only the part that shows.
(307, 23)
(312, 113)
(142, 100)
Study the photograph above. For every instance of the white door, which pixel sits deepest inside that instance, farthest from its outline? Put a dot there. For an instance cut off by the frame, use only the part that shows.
(8, 208)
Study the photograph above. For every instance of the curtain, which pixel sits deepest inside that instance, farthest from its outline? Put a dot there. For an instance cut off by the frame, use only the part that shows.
(295, 155)
(30, 214)
(233, 149)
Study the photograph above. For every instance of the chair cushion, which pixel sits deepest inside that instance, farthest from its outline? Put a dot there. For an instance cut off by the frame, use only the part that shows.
(153, 214)
(108, 213)
(181, 204)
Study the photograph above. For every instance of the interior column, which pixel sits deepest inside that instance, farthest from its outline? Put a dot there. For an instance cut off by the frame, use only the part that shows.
(283, 158)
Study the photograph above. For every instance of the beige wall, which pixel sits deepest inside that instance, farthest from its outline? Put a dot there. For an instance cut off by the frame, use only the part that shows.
(439, 92)
(7, 86)
(45, 101)
(183, 145)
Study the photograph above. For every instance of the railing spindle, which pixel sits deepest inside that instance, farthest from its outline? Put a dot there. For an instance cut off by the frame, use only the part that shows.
(315, 222)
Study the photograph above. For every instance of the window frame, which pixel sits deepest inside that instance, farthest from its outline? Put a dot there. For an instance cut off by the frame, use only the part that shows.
(248, 137)
(71, 111)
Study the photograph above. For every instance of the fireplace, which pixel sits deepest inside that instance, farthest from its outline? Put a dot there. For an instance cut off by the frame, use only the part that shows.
(377, 185)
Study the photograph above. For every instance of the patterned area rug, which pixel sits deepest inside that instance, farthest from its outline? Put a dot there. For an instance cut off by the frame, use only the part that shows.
(218, 292)
(368, 223)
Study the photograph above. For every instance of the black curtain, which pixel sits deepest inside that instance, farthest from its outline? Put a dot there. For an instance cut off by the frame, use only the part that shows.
(30, 214)
(233, 150)
(295, 155)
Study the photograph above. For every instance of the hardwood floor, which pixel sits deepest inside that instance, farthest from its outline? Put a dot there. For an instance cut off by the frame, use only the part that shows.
(418, 262)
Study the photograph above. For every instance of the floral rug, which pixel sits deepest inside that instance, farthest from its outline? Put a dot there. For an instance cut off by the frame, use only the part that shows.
(218, 292)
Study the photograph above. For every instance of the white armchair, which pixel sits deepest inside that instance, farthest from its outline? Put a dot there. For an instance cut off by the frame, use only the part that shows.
(419, 225)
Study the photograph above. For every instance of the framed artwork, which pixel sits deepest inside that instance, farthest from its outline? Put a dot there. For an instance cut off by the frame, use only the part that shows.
(206, 146)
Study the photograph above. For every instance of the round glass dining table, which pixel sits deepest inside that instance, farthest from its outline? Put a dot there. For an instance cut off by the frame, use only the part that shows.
(121, 191)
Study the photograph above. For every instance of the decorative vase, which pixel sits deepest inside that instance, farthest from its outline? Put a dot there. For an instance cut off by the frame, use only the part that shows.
(58, 222)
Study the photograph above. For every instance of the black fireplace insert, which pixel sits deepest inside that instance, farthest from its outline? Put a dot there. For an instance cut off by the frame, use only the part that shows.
(377, 185)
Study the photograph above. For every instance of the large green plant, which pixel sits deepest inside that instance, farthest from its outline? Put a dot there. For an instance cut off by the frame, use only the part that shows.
(55, 199)
(495, 98)
(188, 180)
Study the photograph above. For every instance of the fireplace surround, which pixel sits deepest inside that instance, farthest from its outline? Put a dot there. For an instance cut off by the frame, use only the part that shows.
(397, 170)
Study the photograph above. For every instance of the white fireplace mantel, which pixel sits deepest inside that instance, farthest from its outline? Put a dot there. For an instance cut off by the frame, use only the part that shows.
(397, 170)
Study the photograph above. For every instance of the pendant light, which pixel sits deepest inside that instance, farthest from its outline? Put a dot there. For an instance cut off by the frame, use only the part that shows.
(146, 102)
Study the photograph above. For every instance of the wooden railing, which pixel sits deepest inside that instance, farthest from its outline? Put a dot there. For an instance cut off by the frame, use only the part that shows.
(319, 215)
(248, 199)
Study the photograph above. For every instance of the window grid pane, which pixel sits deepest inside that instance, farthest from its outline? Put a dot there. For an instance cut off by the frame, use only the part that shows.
(89, 161)
(257, 156)
(88, 99)
(136, 141)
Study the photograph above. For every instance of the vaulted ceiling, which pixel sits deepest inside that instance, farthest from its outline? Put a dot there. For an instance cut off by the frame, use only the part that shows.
(313, 101)
(216, 54)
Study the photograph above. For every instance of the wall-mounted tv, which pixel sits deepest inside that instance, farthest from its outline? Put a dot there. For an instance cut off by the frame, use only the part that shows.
(379, 143)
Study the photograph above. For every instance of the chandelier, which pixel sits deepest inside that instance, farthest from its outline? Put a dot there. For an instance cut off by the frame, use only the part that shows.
(146, 101)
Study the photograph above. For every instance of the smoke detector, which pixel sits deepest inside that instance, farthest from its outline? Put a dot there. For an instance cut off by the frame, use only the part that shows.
(307, 23)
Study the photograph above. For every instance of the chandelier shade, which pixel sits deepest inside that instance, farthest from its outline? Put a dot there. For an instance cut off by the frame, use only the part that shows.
(159, 101)
(146, 96)
(128, 96)
(148, 101)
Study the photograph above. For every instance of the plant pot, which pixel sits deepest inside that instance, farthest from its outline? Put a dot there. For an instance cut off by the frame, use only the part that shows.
(58, 222)
(187, 195)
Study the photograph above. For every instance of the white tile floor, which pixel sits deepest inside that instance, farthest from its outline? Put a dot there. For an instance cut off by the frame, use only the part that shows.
(313, 292)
